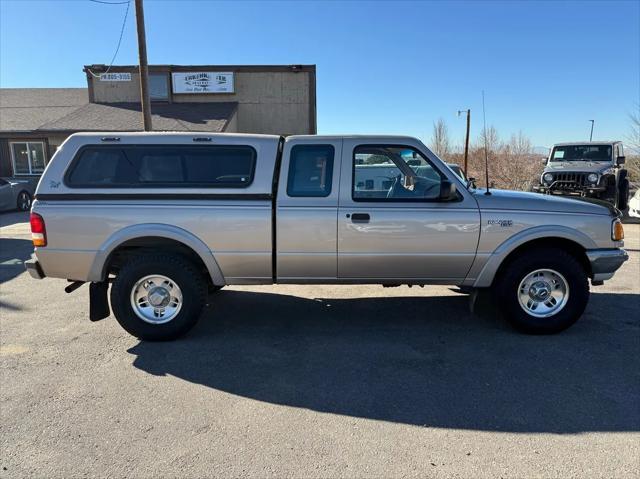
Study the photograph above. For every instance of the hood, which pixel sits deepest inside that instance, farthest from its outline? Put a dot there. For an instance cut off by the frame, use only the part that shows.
(577, 166)
(521, 200)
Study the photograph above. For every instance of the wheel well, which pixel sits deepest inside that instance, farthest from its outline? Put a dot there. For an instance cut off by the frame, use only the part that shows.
(153, 244)
(571, 247)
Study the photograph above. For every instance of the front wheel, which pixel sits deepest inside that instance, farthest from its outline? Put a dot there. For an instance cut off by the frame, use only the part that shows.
(158, 297)
(544, 291)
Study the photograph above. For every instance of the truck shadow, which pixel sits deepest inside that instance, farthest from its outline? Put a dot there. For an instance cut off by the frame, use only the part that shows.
(9, 218)
(424, 361)
(13, 253)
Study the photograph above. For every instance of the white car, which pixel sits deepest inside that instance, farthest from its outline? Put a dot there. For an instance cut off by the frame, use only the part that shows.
(634, 205)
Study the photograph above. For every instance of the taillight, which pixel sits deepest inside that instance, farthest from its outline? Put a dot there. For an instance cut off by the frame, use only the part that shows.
(38, 230)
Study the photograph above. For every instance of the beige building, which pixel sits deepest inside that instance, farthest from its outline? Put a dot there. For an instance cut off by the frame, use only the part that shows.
(275, 99)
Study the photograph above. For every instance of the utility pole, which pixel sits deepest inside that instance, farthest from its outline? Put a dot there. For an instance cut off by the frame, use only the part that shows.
(591, 135)
(144, 68)
(466, 140)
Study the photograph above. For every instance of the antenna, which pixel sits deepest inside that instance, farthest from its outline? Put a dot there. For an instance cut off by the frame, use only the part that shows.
(486, 154)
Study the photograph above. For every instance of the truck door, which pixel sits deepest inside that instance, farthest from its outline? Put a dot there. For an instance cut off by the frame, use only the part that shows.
(392, 228)
(306, 210)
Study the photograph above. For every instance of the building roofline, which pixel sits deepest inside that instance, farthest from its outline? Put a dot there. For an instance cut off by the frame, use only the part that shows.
(98, 68)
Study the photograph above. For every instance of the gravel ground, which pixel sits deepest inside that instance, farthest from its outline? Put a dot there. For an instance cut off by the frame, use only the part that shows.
(321, 381)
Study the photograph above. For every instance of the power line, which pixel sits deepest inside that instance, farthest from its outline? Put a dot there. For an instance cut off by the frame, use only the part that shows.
(110, 3)
(124, 22)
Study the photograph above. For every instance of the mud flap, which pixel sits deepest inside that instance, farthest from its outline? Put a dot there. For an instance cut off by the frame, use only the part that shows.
(98, 304)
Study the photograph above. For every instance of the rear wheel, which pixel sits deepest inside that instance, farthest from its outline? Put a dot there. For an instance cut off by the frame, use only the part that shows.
(543, 291)
(23, 202)
(158, 297)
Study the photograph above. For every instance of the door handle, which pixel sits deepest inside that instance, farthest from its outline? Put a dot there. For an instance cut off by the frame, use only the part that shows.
(360, 217)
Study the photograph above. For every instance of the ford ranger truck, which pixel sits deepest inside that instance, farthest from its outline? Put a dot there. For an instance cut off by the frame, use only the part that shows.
(591, 170)
(156, 221)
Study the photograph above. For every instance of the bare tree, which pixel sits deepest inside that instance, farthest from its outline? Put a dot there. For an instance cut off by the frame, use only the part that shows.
(492, 139)
(440, 143)
(518, 164)
(519, 145)
(633, 147)
(633, 138)
(512, 164)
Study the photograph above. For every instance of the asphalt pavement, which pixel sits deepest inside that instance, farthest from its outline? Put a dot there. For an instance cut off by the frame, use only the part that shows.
(317, 381)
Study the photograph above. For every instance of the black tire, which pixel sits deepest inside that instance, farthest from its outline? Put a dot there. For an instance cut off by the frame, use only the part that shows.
(623, 195)
(506, 286)
(182, 272)
(23, 202)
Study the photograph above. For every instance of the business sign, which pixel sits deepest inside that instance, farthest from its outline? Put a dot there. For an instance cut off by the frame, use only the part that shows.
(202, 82)
(115, 77)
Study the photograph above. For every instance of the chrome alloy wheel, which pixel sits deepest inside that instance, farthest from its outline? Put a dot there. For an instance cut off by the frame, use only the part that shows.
(156, 299)
(543, 293)
(24, 201)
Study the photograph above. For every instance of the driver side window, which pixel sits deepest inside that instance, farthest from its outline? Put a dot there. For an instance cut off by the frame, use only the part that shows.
(393, 173)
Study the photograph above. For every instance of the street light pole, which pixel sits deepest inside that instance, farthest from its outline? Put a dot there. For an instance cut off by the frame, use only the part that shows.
(466, 140)
(144, 68)
(591, 135)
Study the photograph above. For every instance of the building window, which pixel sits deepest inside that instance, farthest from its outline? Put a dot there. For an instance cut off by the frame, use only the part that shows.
(159, 87)
(28, 157)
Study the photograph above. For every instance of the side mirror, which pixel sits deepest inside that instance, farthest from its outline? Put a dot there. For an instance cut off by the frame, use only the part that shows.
(620, 160)
(544, 161)
(447, 191)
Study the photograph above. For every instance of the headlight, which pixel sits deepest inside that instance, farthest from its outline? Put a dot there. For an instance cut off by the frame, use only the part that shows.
(592, 178)
(617, 231)
(547, 177)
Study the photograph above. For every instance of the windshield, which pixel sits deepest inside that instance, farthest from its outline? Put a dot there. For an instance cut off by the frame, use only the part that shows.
(581, 153)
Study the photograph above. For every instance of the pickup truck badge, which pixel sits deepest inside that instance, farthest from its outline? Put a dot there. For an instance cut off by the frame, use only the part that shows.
(503, 223)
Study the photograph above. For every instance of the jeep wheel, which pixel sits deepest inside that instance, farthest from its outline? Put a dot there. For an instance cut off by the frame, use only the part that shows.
(158, 297)
(623, 195)
(543, 291)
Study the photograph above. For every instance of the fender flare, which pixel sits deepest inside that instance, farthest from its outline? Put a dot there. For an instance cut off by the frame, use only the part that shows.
(488, 272)
(97, 271)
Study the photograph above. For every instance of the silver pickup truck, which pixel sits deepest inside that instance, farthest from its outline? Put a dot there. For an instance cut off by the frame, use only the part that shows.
(165, 218)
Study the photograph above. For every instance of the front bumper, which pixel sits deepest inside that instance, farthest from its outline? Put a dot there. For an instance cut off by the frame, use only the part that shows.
(34, 269)
(572, 191)
(605, 262)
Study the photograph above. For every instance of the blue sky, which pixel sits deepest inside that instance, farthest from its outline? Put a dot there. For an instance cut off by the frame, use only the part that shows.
(383, 67)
